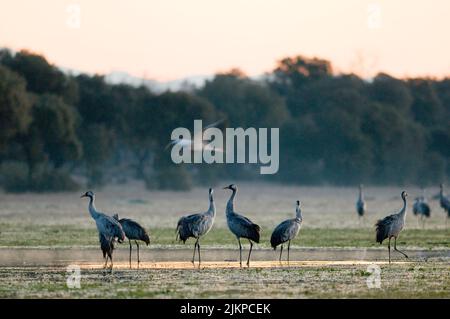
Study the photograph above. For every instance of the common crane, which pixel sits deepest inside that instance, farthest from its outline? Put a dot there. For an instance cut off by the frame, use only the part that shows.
(421, 209)
(197, 225)
(133, 231)
(241, 226)
(391, 226)
(107, 247)
(287, 231)
(108, 228)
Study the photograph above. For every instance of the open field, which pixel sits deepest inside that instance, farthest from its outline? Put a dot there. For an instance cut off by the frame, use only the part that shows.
(40, 234)
(266, 204)
(399, 280)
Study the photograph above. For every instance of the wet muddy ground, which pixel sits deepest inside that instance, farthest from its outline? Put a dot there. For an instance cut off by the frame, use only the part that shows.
(220, 257)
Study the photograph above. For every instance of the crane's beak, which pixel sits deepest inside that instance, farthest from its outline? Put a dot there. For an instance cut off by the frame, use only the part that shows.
(84, 195)
(226, 187)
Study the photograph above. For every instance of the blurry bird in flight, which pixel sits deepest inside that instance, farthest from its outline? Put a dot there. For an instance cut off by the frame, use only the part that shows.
(196, 143)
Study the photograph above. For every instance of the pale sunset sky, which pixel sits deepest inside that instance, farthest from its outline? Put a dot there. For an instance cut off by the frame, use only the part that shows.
(170, 39)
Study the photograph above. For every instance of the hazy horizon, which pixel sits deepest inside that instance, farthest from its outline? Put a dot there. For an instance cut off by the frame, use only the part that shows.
(169, 40)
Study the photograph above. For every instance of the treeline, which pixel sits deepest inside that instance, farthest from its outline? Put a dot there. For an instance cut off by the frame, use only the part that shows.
(58, 131)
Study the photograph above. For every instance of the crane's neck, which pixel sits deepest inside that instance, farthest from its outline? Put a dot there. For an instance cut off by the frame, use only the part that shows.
(360, 193)
(403, 211)
(92, 209)
(298, 214)
(230, 204)
(212, 206)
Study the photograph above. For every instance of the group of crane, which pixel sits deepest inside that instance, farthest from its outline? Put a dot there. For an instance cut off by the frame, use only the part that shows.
(112, 229)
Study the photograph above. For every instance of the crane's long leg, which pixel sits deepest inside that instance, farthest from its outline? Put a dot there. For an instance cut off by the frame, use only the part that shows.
(111, 269)
(395, 248)
(129, 241)
(240, 252)
(389, 249)
(195, 247)
(281, 252)
(249, 253)
(137, 244)
(289, 247)
(198, 247)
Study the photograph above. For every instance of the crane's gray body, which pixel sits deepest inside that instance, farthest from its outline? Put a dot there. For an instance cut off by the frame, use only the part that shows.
(285, 231)
(133, 230)
(197, 225)
(106, 225)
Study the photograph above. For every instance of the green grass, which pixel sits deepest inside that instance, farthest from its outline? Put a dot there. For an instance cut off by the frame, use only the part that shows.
(414, 280)
(30, 235)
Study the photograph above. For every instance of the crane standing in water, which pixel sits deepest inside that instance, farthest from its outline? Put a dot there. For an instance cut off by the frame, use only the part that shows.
(197, 225)
(108, 229)
(133, 231)
(286, 231)
(391, 226)
(241, 226)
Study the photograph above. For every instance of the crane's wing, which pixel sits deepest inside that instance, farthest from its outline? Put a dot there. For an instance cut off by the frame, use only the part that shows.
(110, 227)
(186, 226)
(193, 220)
(246, 228)
(283, 232)
(247, 220)
(383, 226)
(133, 230)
